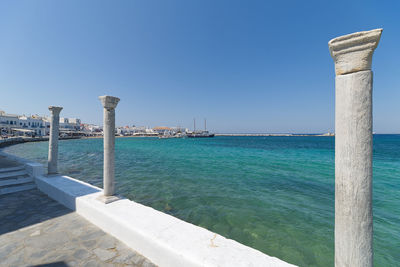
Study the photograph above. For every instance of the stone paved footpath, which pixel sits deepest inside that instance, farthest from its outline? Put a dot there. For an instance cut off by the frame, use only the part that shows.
(38, 231)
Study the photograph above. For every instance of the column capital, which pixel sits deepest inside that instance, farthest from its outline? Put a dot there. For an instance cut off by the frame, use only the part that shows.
(353, 52)
(55, 110)
(109, 102)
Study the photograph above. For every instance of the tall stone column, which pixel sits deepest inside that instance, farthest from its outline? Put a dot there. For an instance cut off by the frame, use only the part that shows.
(353, 147)
(53, 139)
(109, 103)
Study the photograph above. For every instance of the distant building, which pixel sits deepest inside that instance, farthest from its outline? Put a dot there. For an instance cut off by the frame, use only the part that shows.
(37, 125)
(7, 122)
(135, 131)
(162, 130)
(71, 127)
(17, 125)
(91, 129)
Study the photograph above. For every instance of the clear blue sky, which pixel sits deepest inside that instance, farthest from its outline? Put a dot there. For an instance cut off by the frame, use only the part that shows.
(246, 66)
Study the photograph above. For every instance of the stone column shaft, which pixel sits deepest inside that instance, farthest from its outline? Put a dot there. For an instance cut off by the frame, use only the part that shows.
(353, 148)
(109, 104)
(109, 152)
(53, 139)
(353, 169)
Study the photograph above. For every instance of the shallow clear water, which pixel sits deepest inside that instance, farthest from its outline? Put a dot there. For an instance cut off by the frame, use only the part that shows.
(275, 194)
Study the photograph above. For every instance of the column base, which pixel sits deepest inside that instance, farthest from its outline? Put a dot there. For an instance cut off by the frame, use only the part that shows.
(107, 199)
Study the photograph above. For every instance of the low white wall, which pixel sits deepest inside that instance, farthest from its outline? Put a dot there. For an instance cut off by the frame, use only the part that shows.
(163, 239)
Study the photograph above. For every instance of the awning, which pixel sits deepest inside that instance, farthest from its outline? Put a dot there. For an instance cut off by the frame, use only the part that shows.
(22, 130)
(71, 131)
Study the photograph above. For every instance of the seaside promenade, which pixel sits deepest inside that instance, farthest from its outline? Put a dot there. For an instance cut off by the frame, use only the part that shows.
(35, 230)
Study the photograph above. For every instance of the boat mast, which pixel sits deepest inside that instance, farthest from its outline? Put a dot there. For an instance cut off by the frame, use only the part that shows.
(205, 124)
(194, 124)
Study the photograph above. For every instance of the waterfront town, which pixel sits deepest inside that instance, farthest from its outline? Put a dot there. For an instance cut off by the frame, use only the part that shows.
(164, 240)
(13, 125)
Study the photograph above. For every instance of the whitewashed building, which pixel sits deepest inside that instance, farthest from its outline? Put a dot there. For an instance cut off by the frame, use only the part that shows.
(7, 122)
(70, 123)
(135, 131)
(18, 125)
(36, 125)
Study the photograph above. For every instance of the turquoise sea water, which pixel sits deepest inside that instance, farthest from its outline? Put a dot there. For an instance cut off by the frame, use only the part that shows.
(275, 194)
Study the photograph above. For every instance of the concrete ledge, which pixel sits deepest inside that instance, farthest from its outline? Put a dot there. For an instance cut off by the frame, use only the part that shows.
(34, 169)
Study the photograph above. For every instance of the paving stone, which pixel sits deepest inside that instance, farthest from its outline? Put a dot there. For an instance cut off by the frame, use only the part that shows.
(13, 260)
(103, 254)
(78, 231)
(148, 263)
(35, 254)
(125, 257)
(90, 244)
(81, 254)
(121, 246)
(15, 236)
(32, 227)
(106, 242)
(72, 263)
(137, 259)
(95, 263)
(36, 233)
(71, 246)
(92, 235)
(91, 263)
(54, 226)
(49, 240)
(56, 256)
(7, 249)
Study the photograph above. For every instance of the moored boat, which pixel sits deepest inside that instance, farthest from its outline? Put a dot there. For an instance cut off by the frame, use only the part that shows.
(199, 134)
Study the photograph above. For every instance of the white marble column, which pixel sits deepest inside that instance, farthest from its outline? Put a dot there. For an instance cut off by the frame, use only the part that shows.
(53, 139)
(109, 103)
(353, 147)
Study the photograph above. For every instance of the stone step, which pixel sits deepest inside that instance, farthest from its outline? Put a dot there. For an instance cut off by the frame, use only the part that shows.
(12, 174)
(16, 180)
(10, 169)
(16, 188)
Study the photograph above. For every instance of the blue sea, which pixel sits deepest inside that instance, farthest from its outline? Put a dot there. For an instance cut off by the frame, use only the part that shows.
(275, 194)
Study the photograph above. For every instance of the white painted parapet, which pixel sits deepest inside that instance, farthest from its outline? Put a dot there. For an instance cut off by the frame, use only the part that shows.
(53, 139)
(109, 104)
(353, 147)
(34, 169)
